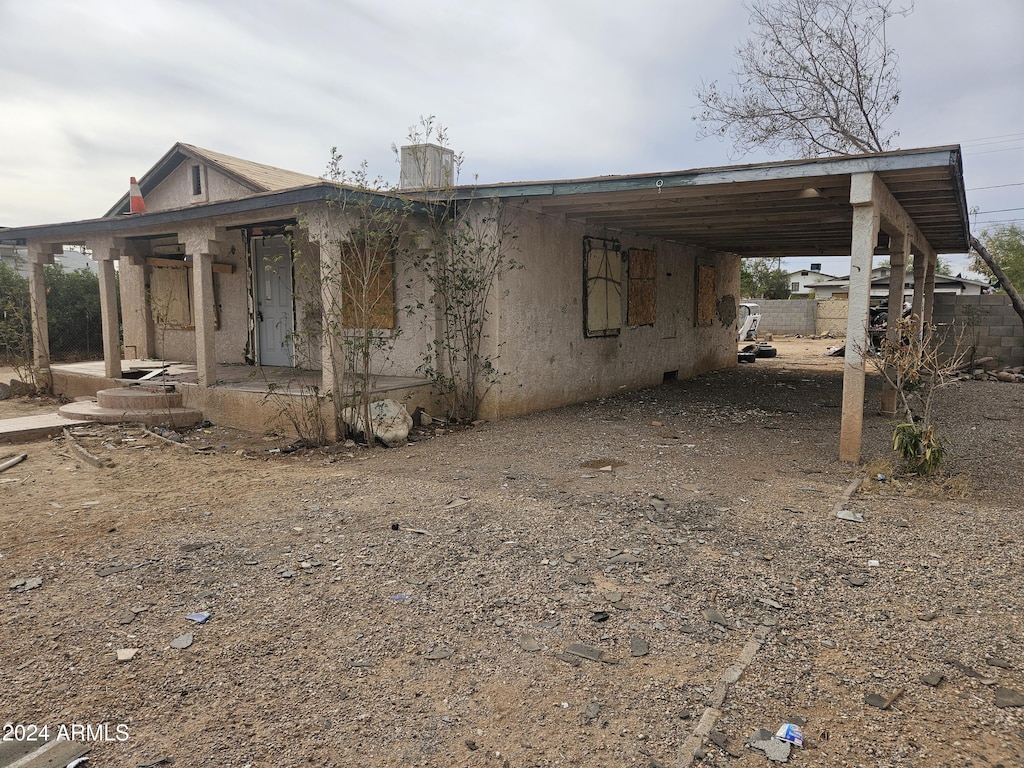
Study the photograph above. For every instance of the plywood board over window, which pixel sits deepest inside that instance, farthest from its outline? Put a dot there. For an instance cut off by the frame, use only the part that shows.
(368, 289)
(170, 297)
(706, 298)
(602, 295)
(643, 287)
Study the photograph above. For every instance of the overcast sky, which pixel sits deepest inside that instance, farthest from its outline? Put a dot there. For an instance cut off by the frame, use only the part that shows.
(95, 91)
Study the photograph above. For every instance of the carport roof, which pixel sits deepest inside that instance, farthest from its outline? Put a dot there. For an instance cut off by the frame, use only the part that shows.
(789, 208)
(797, 207)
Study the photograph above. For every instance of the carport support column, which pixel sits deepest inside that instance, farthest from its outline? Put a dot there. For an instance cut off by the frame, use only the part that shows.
(929, 291)
(39, 256)
(897, 277)
(866, 221)
(108, 312)
(203, 247)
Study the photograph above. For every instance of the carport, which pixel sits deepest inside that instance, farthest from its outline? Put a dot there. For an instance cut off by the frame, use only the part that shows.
(894, 203)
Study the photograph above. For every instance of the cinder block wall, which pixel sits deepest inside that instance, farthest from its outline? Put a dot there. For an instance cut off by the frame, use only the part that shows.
(987, 323)
(787, 316)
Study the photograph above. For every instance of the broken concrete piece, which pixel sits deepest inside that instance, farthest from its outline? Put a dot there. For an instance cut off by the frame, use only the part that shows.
(850, 516)
(585, 651)
(181, 642)
(126, 654)
(528, 643)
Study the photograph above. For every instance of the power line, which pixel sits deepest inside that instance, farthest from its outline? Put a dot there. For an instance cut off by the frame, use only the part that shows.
(999, 210)
(992, 138)
(992, 151)
(997, 186)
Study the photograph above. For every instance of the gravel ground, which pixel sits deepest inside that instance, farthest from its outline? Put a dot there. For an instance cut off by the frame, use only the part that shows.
(564, 589)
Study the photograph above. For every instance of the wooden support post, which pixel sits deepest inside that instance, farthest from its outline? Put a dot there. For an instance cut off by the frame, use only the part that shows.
(865, 235)
(917, 304)
(40, 254)
(930, 260)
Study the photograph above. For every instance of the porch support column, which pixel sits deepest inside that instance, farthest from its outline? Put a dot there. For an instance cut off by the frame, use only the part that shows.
(897, 277)
(866, 221)
(202, 246)
(108, 313)
(322, 236)
(137, 321)
(40, 254)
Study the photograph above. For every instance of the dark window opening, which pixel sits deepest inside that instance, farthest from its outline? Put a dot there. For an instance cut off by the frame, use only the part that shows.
(197, 180)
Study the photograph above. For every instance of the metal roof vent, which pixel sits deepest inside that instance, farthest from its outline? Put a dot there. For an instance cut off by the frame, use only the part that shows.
(426, 165)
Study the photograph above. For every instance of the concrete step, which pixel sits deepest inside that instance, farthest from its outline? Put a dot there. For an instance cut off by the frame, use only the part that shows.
(139, 398)
(93, 411)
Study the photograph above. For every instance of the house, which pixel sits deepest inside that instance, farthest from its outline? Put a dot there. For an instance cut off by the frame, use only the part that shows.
(626, 281)
(839, 287)
(802, 282)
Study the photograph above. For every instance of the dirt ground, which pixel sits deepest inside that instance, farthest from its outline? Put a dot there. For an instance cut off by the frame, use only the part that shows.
(442, 604)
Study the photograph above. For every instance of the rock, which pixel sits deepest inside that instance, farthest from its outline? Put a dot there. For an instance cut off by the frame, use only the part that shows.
(438, 654)
(5, 391)
(613, 597)
(993, 661)
(1007, 697)
(1006, 376)
(772, 748)
(715, 617)
(592, 711)
(126, 654)
(625, 557)
(857, 581)
(125, 617)
(528, 643)
(770, 603)
(389, 421)
(875, 700)
(932, 678)
(568, 658)
(181, 642)
(19, 388)
(850, 516)
(638, 647)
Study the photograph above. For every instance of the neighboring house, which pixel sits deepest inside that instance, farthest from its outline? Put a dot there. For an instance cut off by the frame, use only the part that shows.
(802, 281)
(14, 256)
(626, 281)
(839, 288)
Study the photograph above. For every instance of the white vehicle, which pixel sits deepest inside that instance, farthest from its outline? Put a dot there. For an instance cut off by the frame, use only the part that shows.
(750, 316)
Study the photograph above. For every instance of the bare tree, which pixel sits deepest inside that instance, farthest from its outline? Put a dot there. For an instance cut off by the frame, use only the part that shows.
(817, 75)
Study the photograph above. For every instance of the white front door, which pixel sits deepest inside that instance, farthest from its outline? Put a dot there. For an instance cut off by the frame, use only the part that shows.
(275, 315)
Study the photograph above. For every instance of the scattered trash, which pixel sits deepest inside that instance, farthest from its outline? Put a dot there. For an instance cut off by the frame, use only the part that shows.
(181, 642)
(873, 563)
(13, 462)
(198, 618)
(853, 517)
(126, 654)
(792, 733)
(399, 598)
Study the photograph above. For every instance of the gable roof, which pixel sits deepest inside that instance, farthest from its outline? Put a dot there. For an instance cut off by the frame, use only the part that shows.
(256, 177)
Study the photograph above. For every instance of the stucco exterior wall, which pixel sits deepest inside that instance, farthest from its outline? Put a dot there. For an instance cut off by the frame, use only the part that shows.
(176, 190)
(537, 336)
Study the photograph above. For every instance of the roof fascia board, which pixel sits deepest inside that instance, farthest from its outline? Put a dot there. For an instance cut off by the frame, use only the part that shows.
(942, 157)
(318, 193)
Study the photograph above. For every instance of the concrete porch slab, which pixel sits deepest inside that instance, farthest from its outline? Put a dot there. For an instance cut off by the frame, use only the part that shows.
(37, 427)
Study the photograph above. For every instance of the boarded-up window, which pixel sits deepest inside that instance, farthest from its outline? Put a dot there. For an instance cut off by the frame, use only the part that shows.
(602, 298)
(643, 293)
(170, 297)
(368, 286)
(706, 299)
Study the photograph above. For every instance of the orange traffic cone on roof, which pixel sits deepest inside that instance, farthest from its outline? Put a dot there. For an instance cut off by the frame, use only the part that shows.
(135, 202)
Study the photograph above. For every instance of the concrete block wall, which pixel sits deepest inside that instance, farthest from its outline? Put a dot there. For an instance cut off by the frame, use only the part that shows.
(787, 316)
(986, 323)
